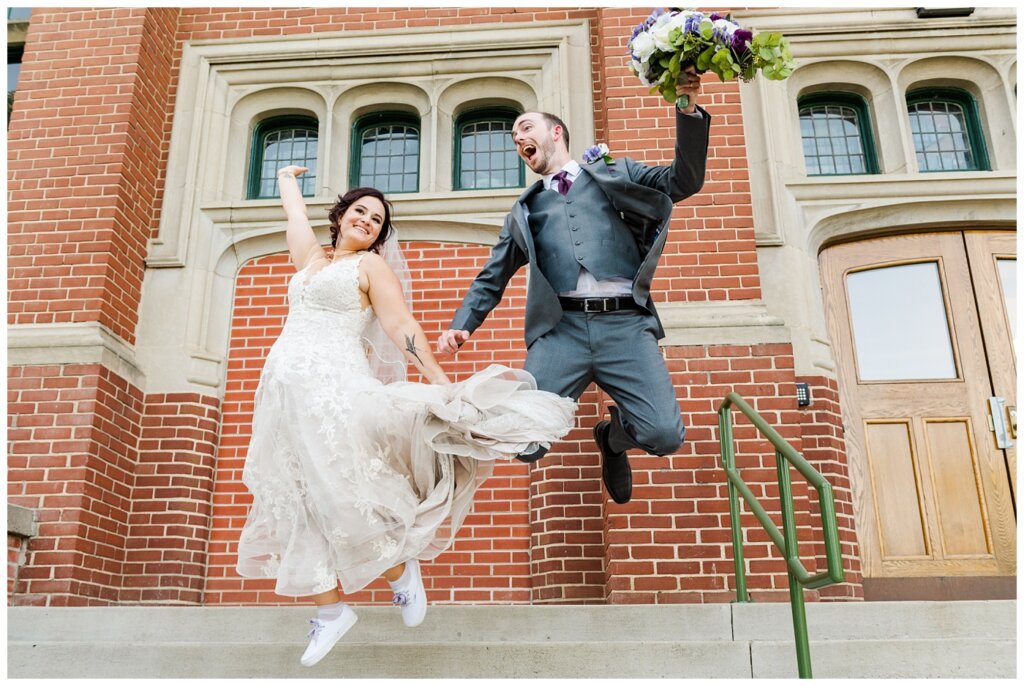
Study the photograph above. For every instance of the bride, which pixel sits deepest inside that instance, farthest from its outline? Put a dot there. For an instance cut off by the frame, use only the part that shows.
(354, 478)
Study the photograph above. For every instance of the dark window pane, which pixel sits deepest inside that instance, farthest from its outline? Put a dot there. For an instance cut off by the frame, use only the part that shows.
(281, 146)
(940, 136)
(389, 158)
(487, 156)
(832, 140)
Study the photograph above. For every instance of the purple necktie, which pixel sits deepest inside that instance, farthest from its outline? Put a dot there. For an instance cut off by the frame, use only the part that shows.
(562, 182)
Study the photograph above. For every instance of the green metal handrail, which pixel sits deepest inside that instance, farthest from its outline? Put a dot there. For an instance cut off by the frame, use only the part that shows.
(799, 577)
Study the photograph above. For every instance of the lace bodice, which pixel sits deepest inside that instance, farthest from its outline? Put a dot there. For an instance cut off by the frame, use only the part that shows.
(326, 320)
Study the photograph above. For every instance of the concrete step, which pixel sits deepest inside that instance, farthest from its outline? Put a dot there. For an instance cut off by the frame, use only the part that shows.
(915, 639)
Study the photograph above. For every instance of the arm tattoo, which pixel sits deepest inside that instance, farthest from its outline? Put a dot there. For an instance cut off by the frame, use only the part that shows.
(410, 346)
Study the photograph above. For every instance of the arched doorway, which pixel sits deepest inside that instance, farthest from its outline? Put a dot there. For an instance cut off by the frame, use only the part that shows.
(923, 327)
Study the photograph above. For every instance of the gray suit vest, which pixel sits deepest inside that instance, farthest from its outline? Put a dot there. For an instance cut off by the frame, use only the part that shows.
(580, 229)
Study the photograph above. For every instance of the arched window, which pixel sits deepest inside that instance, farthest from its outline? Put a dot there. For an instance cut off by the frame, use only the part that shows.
(836, 134)
(485, 156)
(946, 130)
(278, 142)
(386, 152)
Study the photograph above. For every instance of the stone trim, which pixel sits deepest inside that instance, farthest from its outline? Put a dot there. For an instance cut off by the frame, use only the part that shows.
(728, 322)
(536, 60)
(77, 343)
(21, 521)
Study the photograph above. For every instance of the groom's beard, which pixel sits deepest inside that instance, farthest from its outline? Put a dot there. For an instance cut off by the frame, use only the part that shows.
(541, 161)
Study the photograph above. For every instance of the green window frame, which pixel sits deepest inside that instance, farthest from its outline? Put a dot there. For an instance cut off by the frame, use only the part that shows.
(485, 156)
(386, 152)
(836, 132)
(278, 142)
(946, 130)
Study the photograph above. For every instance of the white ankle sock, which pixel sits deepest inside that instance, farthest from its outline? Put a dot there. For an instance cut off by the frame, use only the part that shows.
(331, 612)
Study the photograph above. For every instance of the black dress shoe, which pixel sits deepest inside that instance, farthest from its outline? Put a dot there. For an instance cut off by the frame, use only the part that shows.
(615, 471)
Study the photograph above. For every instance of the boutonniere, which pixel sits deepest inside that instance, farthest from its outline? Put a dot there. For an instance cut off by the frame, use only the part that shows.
(598, 152)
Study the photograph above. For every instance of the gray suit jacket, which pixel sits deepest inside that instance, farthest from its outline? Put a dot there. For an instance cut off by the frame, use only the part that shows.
(644, 197)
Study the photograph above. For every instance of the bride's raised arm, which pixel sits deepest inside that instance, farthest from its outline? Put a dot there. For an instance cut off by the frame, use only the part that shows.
(302, 243)
(388, 302)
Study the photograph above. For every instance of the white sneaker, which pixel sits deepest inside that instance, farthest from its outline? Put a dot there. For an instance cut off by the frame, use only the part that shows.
(325, 634)
(412, 599)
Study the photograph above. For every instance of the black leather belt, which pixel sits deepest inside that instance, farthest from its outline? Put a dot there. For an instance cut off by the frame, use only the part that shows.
(598, 304)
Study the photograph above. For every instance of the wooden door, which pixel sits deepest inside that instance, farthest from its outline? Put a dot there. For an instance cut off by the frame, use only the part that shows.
(993, 259)
(931, 490)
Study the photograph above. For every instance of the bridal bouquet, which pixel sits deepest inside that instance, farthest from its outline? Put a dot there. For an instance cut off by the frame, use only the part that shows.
(667, 42)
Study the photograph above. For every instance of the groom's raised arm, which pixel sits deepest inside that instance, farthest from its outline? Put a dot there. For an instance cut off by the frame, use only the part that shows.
(489, 286)
(685, 176)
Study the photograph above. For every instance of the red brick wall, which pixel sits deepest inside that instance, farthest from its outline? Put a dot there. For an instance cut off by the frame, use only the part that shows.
(83, 162)
(126, 487)
(822, 429)
(16, 549)
(710, 254)
(672, 542)
(72, 446)
(169, 527)
(491, 559)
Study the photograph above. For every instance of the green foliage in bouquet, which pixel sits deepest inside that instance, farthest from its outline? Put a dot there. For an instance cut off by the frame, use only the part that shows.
(664, 45)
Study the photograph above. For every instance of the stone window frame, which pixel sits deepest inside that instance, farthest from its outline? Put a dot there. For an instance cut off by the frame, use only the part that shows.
(208, 228)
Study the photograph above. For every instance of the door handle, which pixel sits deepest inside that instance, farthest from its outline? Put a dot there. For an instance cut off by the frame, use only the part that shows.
(1011, 411)
(998, 423)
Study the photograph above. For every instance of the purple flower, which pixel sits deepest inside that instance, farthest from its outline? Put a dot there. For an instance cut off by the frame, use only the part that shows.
(740, 39)
(693, 23)
(597, 152)
(715, 16)
(655, 13)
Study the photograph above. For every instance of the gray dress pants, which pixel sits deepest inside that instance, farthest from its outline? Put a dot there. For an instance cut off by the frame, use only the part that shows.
(619, 352)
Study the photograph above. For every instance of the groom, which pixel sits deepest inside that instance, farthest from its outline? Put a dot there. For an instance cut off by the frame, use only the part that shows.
(592, 236)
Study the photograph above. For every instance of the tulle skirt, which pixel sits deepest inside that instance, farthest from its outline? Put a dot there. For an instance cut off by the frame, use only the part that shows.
(350, 477)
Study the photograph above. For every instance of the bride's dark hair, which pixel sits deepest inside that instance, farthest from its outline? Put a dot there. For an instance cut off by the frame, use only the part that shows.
(343, 203)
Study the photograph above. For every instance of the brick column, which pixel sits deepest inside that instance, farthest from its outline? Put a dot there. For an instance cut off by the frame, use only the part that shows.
(83, 154)
(169, 526)
(824, 448)
(566, 515)
(73, 441)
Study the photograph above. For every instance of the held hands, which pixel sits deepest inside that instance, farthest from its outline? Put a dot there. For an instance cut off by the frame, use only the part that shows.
(689, 85)
(450, 340)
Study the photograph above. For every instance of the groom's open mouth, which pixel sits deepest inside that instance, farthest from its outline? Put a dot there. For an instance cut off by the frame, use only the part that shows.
(529, 151)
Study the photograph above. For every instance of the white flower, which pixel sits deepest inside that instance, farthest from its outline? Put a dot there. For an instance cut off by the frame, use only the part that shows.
(644, 47)
(660, 35)
(661, 32)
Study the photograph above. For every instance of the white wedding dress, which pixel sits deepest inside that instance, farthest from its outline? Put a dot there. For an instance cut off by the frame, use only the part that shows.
(351, 477)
